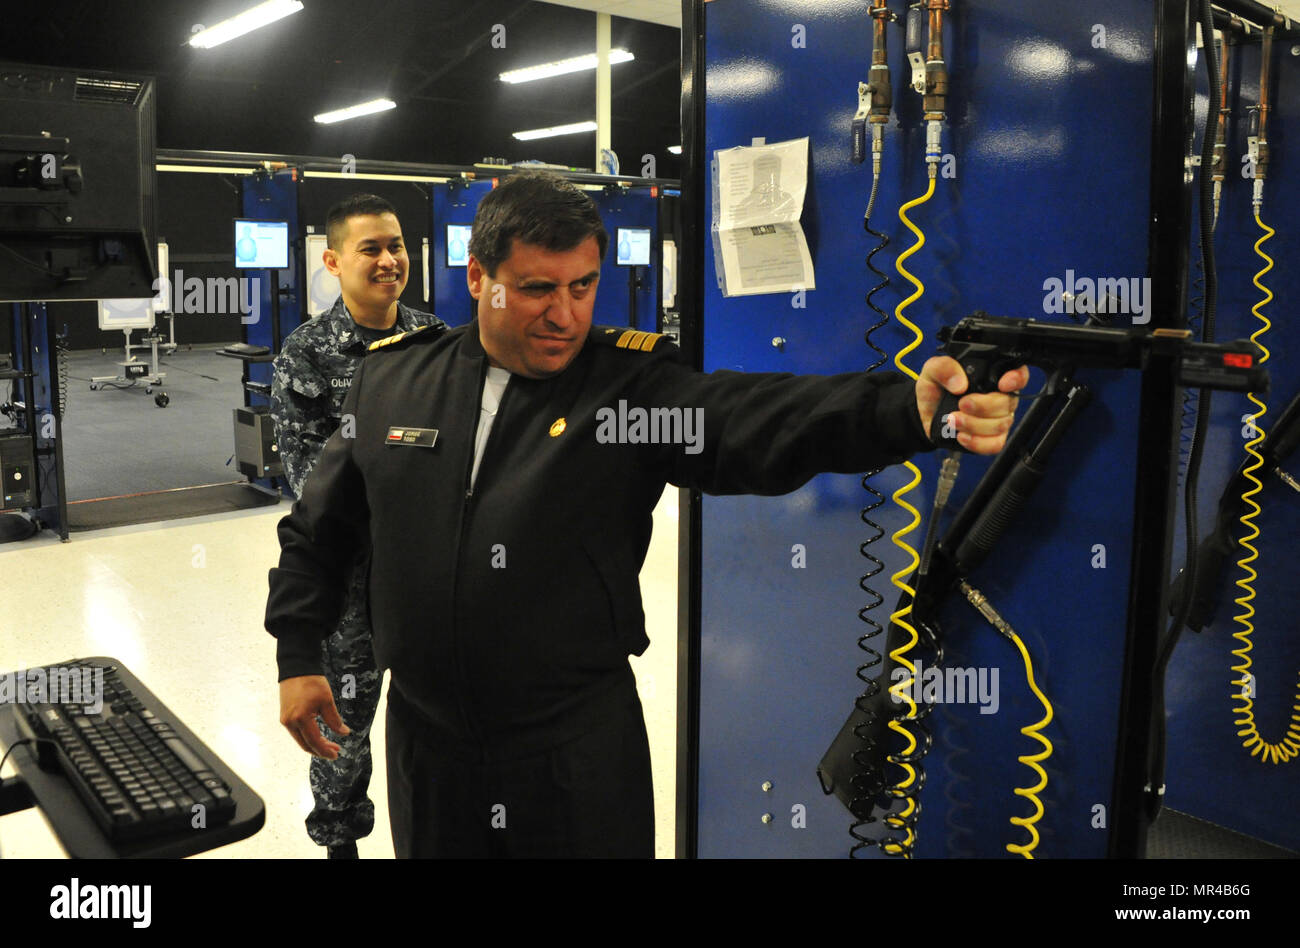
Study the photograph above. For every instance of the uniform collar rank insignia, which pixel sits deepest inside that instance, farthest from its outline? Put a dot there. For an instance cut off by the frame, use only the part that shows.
(557, 427)
(386, 341)
(396, 337)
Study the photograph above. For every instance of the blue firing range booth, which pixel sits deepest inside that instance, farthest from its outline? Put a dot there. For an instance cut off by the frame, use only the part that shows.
(436, 217)
(629, 294)
(1065, 154)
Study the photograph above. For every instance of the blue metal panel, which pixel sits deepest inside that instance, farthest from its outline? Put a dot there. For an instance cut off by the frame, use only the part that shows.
(1050, 135)
(456, 203)
(1209, 773)
(274, 198)
(629, 207)
(453, 203)
(46, 424)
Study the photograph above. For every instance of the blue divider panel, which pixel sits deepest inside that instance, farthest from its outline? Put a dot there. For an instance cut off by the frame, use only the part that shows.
(274, 198)
(1209, 774)
(456, 203)
(453, 203)
(1049, 132)
(43, 364)
(629, 207)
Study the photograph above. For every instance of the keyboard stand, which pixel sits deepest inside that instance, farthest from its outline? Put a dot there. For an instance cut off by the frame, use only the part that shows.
(77, 831)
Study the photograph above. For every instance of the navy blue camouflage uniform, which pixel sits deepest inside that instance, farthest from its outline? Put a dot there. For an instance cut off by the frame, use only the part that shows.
(311, 378)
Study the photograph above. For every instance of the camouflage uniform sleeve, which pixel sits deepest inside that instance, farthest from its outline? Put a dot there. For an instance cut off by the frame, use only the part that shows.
(319, 540)
(300, 410)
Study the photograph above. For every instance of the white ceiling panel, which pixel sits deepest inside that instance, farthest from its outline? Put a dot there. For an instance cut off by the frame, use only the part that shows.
(663, 12)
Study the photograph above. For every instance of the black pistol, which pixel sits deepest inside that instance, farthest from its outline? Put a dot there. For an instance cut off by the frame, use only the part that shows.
(989, 346)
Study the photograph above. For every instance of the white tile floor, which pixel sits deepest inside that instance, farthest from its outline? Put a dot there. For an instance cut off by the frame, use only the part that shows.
(181, 604)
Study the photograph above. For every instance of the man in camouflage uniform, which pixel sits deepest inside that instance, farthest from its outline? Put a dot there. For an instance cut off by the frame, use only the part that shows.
(311, 378)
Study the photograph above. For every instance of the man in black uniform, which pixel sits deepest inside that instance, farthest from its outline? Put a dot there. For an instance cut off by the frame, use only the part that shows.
(310, 380)
(506, 472)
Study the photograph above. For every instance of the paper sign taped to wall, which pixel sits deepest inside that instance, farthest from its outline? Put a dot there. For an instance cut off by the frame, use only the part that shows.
(758, 242)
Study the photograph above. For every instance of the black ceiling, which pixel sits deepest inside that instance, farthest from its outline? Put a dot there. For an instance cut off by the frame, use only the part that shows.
(435, 58)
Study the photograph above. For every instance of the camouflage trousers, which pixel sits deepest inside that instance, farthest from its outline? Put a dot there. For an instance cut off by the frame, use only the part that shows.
(344, 812)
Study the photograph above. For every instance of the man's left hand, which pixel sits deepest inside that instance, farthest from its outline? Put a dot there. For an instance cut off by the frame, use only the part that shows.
(982, 421)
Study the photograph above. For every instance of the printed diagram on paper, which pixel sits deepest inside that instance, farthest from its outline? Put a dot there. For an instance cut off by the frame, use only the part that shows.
(758, 242)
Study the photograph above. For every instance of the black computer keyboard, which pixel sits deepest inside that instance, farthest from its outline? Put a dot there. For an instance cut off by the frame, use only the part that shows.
(247, 349)
(136, 775)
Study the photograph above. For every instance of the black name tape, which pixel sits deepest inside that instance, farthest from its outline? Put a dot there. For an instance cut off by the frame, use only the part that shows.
(420, 437)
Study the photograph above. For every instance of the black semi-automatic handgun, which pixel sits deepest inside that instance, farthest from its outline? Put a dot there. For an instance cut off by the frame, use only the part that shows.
(989, 346)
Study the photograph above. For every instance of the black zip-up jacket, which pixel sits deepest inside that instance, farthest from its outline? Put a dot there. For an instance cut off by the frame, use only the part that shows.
(505, 610)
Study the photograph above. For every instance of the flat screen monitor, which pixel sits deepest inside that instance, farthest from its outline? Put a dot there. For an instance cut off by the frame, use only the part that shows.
(458, 245)
(261, 245)
(77, 184)
(633, 247)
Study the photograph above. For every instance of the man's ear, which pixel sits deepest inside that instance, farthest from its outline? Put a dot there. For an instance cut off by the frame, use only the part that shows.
(474, 276)
(331, 261)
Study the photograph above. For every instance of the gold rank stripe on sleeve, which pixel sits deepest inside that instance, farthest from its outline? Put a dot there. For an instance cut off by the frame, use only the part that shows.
(639, 340)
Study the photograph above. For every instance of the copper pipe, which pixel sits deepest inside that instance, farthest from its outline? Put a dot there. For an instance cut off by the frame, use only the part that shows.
(936, 71)
(936, 8)
(1266, 54)
(880, 13)
(1221, 128)
(882, 96)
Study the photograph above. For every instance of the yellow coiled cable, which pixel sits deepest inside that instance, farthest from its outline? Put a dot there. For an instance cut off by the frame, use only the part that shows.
(1289, 747)
(1032, 761)
(902, 691)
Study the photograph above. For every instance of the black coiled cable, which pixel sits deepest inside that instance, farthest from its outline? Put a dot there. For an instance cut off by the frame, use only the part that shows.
(868, 780)
(61, 360)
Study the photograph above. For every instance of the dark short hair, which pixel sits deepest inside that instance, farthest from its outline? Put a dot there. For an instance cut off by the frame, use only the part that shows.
(537, 207)
(355, 206)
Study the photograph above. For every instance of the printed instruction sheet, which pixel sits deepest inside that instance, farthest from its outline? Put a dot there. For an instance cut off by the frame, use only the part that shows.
(758, 242)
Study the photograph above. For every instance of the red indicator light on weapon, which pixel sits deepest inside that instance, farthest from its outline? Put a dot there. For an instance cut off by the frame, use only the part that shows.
(1240, 360)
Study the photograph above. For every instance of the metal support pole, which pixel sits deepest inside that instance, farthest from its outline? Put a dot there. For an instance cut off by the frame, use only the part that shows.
(602, 87)
(1169, 222)
(690, 297)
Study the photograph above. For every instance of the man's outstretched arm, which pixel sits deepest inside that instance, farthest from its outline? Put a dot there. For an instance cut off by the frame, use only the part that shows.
(769, 433)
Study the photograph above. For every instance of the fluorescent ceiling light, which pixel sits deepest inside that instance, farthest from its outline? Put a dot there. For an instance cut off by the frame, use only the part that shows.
(576, 64)
(554, 130)
(203, 169)
(675, 149)
(352, 111)
(251, 19)
(367, 176)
